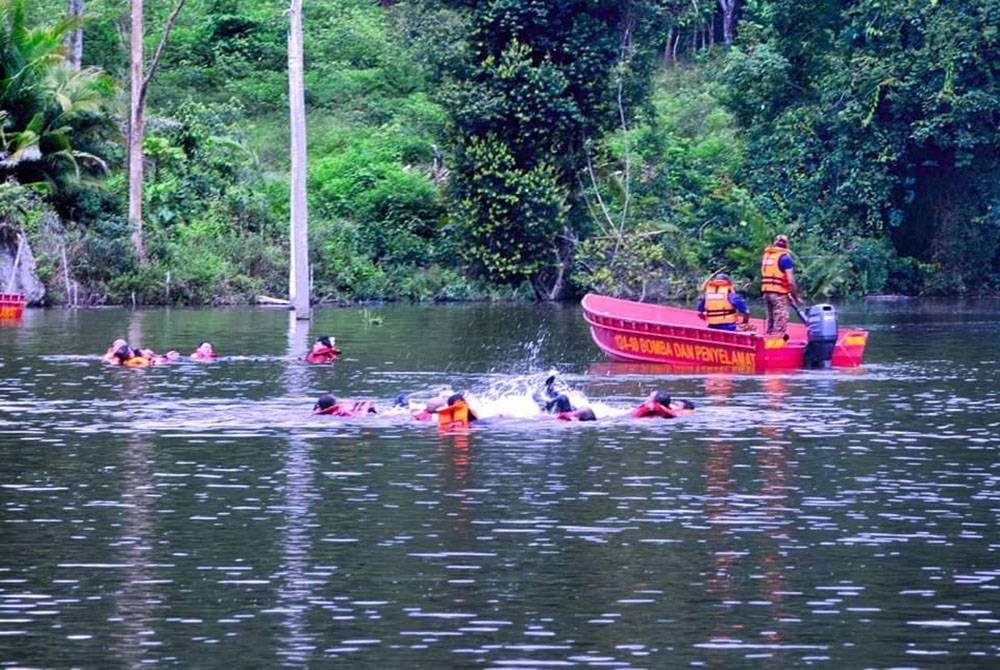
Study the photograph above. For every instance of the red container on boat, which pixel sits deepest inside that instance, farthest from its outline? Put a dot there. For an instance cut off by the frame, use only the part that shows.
(11, 306)
(640, 332)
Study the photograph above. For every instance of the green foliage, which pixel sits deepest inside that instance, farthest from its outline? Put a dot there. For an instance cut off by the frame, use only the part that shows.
(508, 216)
(876, 120)
(377, 213)
(54, 120)
(525, 143)
(545, 79)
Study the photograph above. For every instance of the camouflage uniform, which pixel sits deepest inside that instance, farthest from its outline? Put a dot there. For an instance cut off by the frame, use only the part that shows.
(777, 313)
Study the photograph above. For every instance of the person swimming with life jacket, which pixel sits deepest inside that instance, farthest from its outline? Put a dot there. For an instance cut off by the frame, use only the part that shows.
(456, 412)
(204, 352)
(660, 405)
(327, 404)
(109, 355)
(551, 401)
(126, 356)
(324, 350)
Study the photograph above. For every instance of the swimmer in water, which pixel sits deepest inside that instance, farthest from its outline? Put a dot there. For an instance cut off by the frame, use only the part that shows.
(659, 404)
(324, 350)
(329, 405)
(204, 352)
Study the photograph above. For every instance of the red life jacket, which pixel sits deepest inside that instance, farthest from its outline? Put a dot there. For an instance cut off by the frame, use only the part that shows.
(773, 278)
(718, 309)
(334, 410)
(323, 355)
(653, 410)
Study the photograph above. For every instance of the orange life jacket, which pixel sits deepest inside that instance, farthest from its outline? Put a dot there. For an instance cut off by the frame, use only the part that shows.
(455, 415)
(138, 362)
(773, 278)
(718, 309)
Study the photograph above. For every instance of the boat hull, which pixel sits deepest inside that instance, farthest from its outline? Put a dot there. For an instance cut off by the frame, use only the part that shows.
(645, 333)
(11, 306)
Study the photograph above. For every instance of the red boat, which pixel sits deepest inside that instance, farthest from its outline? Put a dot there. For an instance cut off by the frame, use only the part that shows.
(640, 332)
(11, 306)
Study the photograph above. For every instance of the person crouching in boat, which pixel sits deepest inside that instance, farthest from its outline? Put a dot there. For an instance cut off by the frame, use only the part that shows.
(328, 404)
(659, 404)
(324, 350)
(721, 307)
(204, 352)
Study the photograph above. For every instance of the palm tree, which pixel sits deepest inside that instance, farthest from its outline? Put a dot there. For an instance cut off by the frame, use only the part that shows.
(49, 109)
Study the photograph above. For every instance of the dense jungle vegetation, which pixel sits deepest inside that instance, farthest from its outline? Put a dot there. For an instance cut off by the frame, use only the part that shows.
(467, 149)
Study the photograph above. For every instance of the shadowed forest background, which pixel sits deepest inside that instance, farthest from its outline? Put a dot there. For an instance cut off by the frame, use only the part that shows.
(491, 149)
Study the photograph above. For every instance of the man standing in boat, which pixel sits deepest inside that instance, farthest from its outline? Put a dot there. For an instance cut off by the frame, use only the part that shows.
(778, 284)
(721, 307)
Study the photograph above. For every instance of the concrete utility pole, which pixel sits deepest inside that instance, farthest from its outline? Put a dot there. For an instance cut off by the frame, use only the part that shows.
(298, 273)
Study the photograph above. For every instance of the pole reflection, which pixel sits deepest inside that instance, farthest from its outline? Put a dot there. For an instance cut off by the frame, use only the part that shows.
(137, 600)
(295, 590)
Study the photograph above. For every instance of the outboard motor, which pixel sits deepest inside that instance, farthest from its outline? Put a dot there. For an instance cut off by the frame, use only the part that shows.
(821, 322)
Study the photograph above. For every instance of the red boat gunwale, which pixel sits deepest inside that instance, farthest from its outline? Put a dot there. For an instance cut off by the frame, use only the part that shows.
(643, 332)
(11, 306)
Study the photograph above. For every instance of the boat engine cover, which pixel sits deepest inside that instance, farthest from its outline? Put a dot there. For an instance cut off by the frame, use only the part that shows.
(821, 322)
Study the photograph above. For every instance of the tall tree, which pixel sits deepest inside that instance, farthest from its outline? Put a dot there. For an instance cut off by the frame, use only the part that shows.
(137, 111)
(74, 39)
(298, 280)
(543, 88)
(728, 8)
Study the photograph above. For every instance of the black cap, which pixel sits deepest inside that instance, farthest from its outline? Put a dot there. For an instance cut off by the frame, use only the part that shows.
(325, 401)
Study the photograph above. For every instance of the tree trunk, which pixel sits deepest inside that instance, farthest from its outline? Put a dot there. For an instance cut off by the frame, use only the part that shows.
(135, 133)
(728, 14)
(298, 275)
(74, 39)
(140, 86)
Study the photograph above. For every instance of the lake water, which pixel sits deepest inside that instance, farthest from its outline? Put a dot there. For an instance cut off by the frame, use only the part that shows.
(198, 515)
